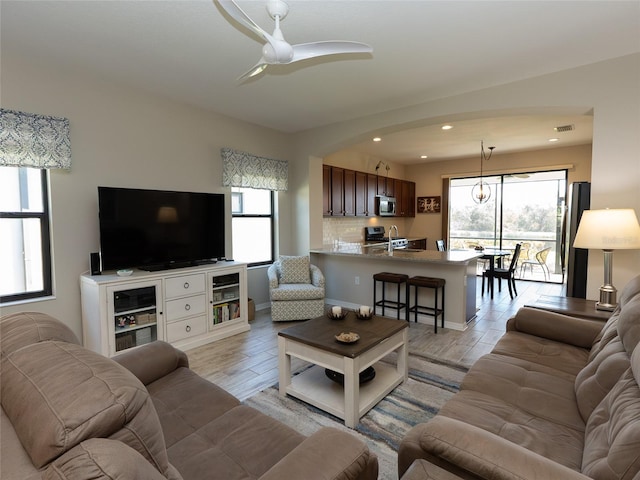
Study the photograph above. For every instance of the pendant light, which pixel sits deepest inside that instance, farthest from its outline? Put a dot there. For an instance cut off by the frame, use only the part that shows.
(481, 192)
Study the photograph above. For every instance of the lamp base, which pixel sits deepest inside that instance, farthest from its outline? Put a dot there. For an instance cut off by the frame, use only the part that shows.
(607, 298)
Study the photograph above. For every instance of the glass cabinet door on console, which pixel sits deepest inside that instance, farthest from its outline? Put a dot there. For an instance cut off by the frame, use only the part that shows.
(226, 298)
(133, 312)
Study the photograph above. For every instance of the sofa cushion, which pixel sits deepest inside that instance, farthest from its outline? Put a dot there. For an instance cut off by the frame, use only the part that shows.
(101, 459)
(612, 440)
(58, 394)
(561, 356)
(25, 328)
(185, 402)
(526, 403)
(234, 445)
(294, 269)
(297, 291)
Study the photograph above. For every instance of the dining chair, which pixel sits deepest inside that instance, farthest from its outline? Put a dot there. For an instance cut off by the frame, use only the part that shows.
(504, 273)
(540, 260)
(440, 245)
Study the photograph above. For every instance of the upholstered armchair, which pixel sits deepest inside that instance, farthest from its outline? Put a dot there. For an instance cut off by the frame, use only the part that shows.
(296, 289)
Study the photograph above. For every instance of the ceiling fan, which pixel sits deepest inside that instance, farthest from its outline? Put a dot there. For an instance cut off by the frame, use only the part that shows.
(276, 50)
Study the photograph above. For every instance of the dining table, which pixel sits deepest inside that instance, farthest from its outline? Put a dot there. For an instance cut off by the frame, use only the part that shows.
(494, 255)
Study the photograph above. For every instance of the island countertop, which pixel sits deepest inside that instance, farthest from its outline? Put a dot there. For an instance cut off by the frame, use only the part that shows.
(379, 251)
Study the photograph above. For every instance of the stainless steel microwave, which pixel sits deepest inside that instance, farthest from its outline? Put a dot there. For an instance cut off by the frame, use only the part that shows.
(385, 206)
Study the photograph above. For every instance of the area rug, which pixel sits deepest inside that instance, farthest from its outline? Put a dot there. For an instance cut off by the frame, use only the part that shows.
(431, 383)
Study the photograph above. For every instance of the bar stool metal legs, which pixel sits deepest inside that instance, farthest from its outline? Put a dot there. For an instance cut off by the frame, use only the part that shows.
(399, 280)
(436, 284)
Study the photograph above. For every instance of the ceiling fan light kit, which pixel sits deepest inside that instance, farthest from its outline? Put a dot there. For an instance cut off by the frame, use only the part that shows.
(276, 50)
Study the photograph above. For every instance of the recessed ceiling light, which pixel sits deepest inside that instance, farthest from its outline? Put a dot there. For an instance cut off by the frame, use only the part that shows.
(377, 139)
(447, 127)
(424, 156)
(554, 139)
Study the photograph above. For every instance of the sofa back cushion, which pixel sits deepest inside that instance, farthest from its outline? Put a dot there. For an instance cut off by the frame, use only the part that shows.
(612, 435)
(25, 328)
(610, 354)
(57, 394)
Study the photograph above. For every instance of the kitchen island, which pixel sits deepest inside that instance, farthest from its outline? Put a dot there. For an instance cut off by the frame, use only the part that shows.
(349, 268)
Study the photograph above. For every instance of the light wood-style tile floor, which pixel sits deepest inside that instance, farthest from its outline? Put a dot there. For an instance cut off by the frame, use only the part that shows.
(248, 363)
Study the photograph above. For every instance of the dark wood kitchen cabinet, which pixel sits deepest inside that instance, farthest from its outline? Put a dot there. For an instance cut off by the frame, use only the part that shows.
(366, 188)
(326, 190)
(386, 186)
(349, 187)
(406, 198)
(351, 193)
(338, 192)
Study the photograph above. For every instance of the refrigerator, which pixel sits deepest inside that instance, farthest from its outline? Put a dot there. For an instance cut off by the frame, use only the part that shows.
(575, 259)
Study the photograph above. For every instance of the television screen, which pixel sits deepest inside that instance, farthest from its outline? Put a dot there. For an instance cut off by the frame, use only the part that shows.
(157, 230)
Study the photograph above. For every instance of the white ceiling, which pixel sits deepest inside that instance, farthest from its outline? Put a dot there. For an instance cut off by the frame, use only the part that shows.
(191, 51)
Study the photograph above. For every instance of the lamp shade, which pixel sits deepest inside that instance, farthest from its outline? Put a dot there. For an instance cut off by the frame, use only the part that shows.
(609, 229)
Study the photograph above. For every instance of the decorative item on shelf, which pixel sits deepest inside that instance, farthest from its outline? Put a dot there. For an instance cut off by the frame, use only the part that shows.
(364, 312)
(347, 337)
(481, 192)
(365, 376)
(337, 313)
(609, 230)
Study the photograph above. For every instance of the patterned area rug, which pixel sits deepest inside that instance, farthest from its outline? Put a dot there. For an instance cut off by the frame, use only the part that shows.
(431, 383)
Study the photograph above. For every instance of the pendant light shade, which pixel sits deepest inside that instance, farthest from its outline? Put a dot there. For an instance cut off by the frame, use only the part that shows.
(481, 192)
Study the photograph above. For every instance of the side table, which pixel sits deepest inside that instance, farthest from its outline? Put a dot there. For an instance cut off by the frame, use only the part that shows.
(575, 307)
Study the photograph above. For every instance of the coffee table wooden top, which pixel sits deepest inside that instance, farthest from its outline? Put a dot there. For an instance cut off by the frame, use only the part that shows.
(320, 333)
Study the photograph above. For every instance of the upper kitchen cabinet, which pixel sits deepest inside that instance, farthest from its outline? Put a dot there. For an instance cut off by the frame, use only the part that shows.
(406, 198)
(386, 186)
(351, 193)
(339, 196)
(366, 189)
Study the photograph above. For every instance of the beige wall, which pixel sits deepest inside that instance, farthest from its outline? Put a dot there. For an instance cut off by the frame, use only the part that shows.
(607, 89)
(127, 138)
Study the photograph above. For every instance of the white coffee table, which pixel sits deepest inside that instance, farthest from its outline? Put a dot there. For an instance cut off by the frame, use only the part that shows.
(314, 341)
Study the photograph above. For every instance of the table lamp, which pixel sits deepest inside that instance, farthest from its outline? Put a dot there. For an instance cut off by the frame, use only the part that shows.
(609, 230)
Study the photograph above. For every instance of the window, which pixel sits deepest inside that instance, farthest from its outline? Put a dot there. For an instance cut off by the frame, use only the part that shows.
(25, 251)
(252, 225)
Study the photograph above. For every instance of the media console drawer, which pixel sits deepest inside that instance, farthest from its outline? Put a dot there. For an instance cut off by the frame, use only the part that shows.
(190, 327)
(185, 307)
(184, 285)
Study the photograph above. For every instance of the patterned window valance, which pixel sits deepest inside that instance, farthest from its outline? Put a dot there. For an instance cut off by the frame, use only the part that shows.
(31, 140)
(241, 169)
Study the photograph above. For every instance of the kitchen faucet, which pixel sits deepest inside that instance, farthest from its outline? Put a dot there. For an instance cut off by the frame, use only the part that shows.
(390, 249)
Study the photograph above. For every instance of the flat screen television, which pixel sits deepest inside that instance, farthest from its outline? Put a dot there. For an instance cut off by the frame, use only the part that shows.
(158, 230)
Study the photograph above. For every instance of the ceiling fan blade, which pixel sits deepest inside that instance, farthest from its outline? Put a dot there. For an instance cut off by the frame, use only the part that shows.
(304, 51)
(238, 14)
(257, 69)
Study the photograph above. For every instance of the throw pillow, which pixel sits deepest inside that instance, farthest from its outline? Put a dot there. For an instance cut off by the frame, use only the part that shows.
(294, 269)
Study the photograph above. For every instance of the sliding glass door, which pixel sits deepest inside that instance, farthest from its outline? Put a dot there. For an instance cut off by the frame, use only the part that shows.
(523, 208)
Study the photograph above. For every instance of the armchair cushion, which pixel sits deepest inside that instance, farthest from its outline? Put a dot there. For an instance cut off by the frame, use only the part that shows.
(294, 269)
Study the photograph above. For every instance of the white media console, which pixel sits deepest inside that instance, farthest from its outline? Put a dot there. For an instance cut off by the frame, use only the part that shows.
(186, 307)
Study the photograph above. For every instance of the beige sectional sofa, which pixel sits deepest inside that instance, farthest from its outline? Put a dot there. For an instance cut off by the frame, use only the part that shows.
(557, 398)
(70, 413)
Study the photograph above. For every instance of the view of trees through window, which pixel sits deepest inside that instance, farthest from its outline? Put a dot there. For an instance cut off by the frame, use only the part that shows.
(523, 208)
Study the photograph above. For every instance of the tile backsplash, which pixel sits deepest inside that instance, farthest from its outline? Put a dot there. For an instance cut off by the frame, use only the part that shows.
(336, 230)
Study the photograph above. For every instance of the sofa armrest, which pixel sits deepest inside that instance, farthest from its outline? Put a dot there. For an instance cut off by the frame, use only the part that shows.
(317, 278)
(575, 331)
(460, 447)
(152, 361)
(272, 275)
(327, 454)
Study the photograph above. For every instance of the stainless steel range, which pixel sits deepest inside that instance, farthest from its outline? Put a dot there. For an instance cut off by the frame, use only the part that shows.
(378, 235)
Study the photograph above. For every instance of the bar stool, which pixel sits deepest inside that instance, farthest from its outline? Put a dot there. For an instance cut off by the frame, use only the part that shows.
(428, 282)
(398, 279)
